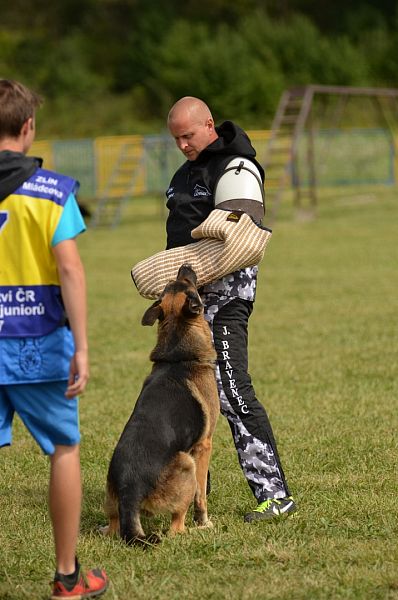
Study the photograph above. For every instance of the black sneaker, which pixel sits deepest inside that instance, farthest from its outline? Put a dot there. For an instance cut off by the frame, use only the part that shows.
(272, 508)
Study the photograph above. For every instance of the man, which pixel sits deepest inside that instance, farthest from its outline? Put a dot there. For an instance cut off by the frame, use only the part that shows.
(43, 333)
(221, 171)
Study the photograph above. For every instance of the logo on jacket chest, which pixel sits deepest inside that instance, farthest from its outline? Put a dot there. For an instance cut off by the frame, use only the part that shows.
(200, 190)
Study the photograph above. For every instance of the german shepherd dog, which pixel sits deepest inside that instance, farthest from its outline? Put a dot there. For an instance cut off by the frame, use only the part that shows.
(161, 461)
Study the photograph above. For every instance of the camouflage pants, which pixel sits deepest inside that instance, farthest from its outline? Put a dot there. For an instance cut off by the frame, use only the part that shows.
(247, 418)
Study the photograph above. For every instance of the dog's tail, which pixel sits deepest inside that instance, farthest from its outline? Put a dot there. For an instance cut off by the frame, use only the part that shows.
(131, 530)
(123, 509)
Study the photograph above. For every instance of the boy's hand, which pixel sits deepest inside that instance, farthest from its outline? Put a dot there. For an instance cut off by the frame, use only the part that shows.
(78, 374)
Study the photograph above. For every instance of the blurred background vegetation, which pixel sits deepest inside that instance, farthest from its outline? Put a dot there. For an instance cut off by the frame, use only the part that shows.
(109, 67)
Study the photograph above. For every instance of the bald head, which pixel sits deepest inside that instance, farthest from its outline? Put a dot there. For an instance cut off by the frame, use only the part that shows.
(191, 124)
(189, 108)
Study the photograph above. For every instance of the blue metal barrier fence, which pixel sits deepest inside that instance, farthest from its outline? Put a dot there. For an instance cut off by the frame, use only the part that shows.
(343, 157)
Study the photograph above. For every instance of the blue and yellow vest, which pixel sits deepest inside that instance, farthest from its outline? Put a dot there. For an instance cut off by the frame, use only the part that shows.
(30, 294)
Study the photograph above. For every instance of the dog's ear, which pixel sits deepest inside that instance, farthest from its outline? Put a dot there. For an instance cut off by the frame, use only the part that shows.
(193, 304)
(153, 313)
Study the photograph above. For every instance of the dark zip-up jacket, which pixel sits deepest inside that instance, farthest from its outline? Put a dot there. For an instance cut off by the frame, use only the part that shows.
(190, 195)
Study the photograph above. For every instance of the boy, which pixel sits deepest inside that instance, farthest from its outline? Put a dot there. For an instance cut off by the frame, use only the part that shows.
(43, 337)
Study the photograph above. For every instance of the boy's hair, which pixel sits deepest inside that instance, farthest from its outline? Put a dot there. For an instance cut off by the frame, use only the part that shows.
(17, 105)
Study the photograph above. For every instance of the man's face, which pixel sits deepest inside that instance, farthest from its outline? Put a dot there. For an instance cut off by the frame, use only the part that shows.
(191, 138)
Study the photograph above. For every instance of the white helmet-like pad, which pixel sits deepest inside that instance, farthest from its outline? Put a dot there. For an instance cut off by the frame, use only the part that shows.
(240, 187)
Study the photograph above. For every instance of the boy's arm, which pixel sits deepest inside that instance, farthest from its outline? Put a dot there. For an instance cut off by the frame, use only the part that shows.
(73, 288)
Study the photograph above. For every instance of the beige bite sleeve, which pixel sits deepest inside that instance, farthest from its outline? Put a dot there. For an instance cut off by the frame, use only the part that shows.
(228, 241)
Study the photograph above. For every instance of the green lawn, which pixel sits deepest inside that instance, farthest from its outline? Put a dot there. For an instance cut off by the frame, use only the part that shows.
(323, 357)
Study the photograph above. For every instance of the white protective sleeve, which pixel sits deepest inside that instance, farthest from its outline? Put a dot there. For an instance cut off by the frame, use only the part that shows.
(240, 188)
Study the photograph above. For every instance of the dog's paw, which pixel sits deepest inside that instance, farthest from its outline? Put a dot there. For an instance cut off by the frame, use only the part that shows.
(103, 529)
(146, 542)
(206, 525)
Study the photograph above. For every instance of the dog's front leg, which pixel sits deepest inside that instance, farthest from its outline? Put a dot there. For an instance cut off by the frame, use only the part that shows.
(201, 453)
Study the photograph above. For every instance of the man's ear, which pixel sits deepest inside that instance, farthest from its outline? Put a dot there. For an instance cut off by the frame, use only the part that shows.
(153, 313)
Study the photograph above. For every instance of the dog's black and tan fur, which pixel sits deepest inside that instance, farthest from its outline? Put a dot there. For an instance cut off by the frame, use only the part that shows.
(161, 461)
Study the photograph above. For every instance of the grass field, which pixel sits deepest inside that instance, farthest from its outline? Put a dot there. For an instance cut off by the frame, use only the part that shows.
(323, 357)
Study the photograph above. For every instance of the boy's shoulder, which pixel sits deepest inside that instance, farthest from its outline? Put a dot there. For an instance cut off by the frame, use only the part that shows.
(49, 185)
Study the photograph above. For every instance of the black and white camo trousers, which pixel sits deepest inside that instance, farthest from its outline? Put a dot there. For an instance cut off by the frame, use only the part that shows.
(247, 418)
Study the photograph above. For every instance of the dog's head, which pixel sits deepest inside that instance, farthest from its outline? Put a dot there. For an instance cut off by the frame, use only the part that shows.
(180, 297)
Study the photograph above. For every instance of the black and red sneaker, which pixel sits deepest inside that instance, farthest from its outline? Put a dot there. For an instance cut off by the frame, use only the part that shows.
(88, 585)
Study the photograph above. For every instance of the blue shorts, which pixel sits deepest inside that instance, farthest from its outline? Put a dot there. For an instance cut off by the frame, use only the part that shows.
(51, 418)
